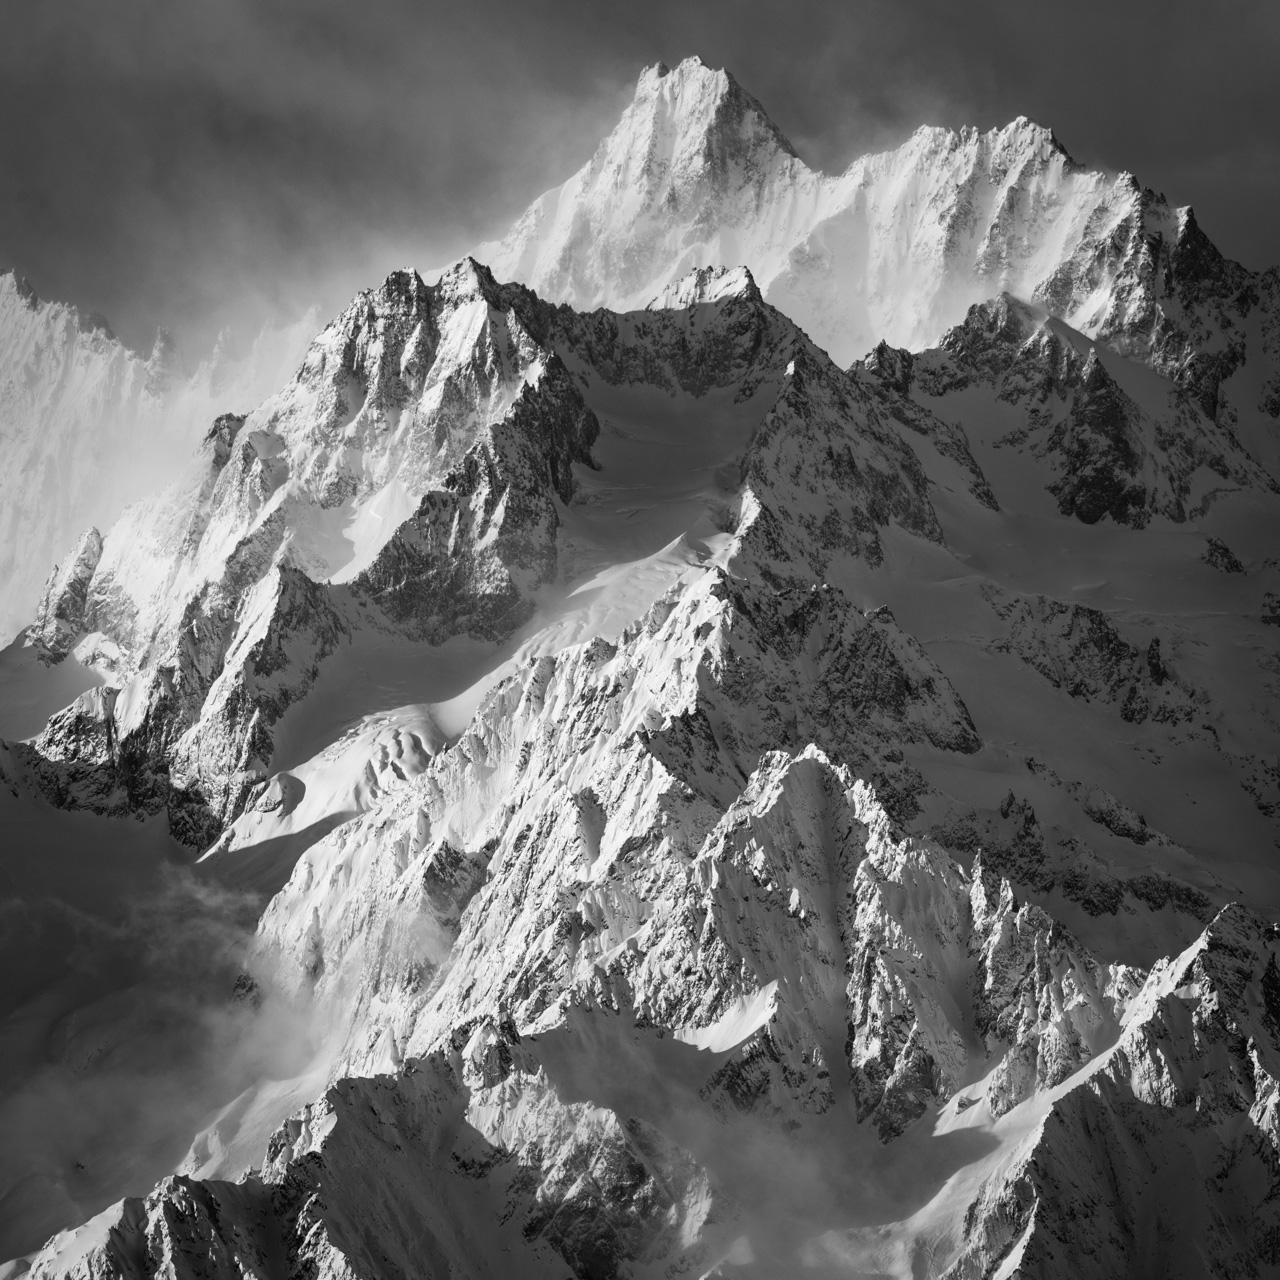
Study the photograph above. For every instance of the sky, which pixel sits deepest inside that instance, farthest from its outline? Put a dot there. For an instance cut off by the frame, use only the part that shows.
(200, 165)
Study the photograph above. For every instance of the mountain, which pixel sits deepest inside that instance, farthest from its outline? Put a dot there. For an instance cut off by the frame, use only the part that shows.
(625, 791)
(1116, 440)
(87, 426)
(900, 245)
(412, 482)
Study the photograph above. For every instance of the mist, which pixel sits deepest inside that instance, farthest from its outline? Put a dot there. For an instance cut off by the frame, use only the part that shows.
(201, 166)
(127, 1019)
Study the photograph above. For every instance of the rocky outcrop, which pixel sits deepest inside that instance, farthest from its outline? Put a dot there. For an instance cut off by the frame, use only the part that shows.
(1079, 649)
(1114, 441)
(1217, 555)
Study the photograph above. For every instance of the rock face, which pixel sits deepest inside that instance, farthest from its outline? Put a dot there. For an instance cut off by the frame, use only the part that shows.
(60, 617)
(606, 1195)
(806, 949)
(720, 810)
(1113, 441)
(412, 480)
(411, 469)
(1079, 649)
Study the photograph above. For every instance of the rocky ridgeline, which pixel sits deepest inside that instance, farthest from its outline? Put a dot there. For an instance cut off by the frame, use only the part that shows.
(90, 425)
(212, 607)
(1187, 1097)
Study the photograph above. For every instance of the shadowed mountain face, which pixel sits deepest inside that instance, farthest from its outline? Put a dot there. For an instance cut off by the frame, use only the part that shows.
(675, 797)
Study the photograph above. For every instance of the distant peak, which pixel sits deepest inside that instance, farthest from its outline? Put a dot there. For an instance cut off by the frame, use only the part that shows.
(1023, 127)
(164, 349)
(697, 98)
(707, 285)
(1029, 131)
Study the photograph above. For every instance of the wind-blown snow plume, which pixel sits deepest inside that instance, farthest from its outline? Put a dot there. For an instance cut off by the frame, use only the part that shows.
(88, 426)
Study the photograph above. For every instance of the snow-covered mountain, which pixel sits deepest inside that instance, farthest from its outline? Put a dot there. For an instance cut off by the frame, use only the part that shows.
(88, 426)
(900, 245)
(702, 806)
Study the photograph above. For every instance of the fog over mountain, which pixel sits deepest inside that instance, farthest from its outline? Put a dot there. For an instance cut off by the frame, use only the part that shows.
(730, 729)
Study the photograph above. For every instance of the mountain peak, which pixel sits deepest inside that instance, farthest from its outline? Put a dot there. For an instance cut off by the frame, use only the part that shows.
(693, 158)
(707, 285)
(695, 117)
(690, 70)
(1027, 134)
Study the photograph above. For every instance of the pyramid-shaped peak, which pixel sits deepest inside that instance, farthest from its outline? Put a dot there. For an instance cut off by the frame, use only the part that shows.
(1024, 134)
(1024, 126)
(693, 103)
(468, 278)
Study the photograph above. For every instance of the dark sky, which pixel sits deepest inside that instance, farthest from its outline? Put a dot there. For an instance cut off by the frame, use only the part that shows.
(203, 162)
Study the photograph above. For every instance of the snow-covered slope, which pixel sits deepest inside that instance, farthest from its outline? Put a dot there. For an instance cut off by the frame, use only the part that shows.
(87, 426)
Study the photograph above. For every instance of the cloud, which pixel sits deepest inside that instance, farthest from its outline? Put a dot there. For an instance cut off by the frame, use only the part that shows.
(127, 1048)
